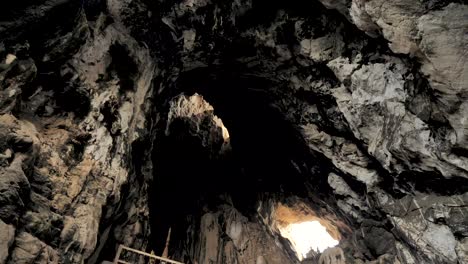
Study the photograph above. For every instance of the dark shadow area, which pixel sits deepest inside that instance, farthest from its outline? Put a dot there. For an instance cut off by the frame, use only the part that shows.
(269, 155)
(123, 66)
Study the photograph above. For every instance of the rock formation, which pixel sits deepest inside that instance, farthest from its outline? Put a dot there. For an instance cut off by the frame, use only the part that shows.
(224, 120)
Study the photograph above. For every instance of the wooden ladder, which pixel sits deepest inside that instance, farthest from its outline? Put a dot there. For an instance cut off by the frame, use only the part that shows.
(122, 248)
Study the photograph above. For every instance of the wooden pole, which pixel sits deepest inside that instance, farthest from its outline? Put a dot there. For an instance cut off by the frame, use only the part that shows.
(117, 255)
(151, 256)
(166, 248)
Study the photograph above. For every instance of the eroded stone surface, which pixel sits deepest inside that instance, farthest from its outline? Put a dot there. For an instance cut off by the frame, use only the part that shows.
(7, 233)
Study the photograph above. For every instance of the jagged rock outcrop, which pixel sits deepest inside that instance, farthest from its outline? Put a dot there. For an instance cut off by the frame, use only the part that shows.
(357, 107)
(71, 118)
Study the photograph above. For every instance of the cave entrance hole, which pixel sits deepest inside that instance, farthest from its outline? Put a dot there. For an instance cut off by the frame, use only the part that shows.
(308, 233)
(307, 236)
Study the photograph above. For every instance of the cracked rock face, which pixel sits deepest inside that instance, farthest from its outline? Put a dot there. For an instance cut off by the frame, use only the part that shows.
(349, 112)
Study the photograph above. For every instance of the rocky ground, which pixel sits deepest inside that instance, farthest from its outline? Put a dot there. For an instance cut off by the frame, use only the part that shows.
(349, 111)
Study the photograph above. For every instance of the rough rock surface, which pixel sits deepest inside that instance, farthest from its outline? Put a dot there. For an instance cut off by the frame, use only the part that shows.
(236, 240)
(70, 119)
(355, 108)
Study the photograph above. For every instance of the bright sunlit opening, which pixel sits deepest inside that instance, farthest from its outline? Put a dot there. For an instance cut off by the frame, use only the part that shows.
(308, 235)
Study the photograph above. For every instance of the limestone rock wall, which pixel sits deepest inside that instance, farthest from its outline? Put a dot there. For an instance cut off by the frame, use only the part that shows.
(73, 111)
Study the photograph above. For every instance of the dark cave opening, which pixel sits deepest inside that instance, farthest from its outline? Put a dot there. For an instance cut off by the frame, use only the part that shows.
(267, 158)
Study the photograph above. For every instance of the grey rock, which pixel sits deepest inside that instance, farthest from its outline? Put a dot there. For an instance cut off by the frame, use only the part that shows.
(239, 241)
(29, 249)
(332, 256)
(199, 119)
(7, 234)
(323, 48)
(344, 154)
(378, 240)
(462, 249)
(375, 90)
(444, 43)
(340, 5)
(14, 191)
(428, 221)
